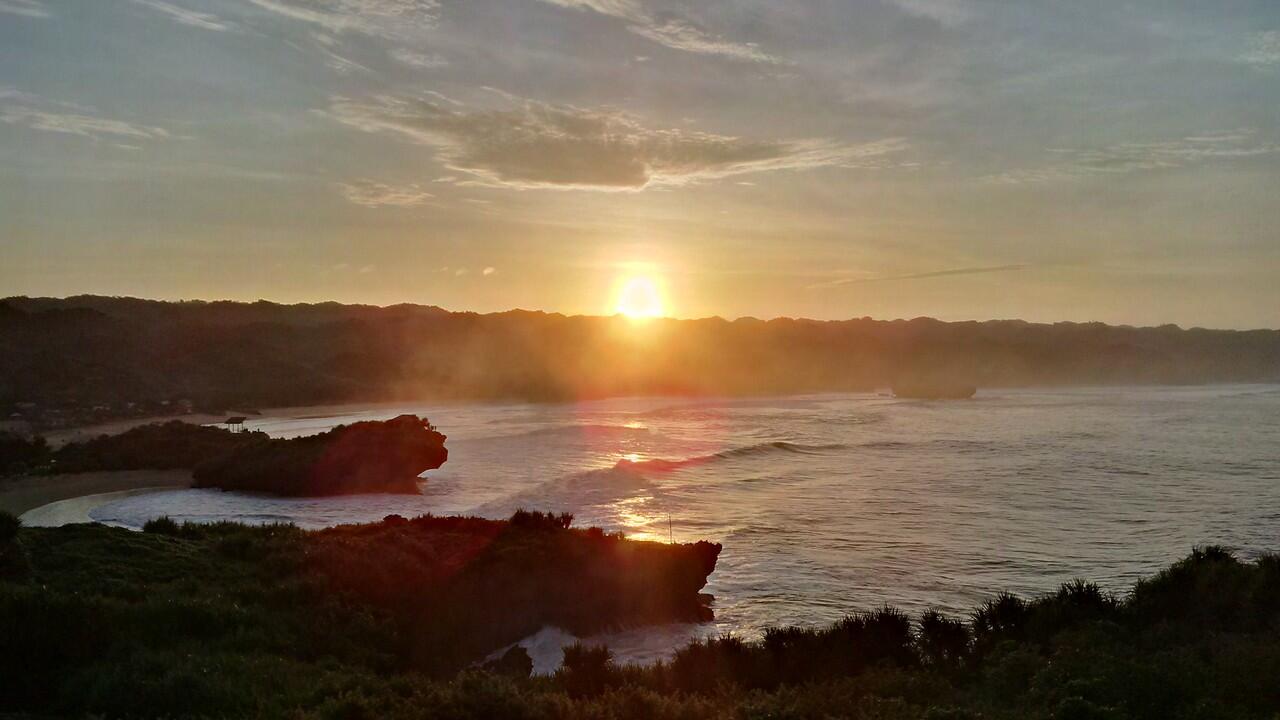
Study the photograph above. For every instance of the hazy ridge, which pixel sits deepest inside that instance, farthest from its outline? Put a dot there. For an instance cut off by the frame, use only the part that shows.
(103, 350)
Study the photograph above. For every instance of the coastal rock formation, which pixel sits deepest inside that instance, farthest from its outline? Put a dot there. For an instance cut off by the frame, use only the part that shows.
(468, 585)
(278, 605)
(366, 457)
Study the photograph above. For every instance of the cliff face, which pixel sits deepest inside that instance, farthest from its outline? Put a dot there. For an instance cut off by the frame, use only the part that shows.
(468, 585)
(367, 457)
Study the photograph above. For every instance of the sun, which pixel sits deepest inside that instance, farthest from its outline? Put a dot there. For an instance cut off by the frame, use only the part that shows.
(638, 297)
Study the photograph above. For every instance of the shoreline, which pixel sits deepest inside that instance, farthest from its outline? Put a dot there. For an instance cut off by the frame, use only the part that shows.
(73, 511)
(25, 495)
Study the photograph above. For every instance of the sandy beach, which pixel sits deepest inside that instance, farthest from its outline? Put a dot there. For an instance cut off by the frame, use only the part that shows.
(24, 495)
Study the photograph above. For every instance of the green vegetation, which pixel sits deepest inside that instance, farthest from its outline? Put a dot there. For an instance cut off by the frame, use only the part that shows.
(158, 446)
(228, 619)
(370, 622)
(19, 454)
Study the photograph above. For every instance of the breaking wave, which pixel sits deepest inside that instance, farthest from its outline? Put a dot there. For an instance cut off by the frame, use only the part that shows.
(601, 486)
(766, 448)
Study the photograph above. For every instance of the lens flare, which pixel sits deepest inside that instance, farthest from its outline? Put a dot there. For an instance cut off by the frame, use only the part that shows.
(639, 297)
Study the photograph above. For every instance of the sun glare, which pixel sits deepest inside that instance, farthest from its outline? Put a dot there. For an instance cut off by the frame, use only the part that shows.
(639, 297)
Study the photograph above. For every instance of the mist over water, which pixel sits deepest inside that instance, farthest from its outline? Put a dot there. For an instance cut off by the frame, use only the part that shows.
(828, 504)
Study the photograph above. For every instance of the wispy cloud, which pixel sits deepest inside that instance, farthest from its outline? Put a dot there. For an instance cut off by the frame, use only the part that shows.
(183, 16)
(387, 18)
(670, 30)
(25, 8)
(37, 114)
(919, 276)
(539, 145)
(375, 194)
(1122, 158)
(947, 12)
(682, 35)
(417, 59)
(1263, 50)
(328, 46)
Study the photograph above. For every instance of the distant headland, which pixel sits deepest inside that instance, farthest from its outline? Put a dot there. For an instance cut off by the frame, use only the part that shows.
(80, 360)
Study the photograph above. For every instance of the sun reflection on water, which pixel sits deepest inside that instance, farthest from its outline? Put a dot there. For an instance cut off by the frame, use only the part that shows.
(638, 520)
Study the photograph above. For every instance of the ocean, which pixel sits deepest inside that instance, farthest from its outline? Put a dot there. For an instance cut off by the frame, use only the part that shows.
(830, 504)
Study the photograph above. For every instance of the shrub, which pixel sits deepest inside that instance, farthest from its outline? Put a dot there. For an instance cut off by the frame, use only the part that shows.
(586, 669)
(1074, 604)
(943, 642)
(9, 525)
(998, 620)
(861, 641)
(1208, 590)
(163, 525)
(535, 520)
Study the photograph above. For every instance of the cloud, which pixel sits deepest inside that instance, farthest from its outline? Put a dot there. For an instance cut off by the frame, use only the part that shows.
(670, 30)
(489, 271)
(1126, 158)
(25, 8)
(920, 276)
(1263, 50)
(375, 194)
(417, 60)
(539, 145)
(681, 35)
(947, 12)
(73, 123)
(183, 16)
(387, 18)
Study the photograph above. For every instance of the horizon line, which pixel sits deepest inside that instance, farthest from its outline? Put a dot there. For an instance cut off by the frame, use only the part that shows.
(620, 316)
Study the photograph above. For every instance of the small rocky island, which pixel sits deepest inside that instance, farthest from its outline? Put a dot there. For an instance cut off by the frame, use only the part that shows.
(365, 457)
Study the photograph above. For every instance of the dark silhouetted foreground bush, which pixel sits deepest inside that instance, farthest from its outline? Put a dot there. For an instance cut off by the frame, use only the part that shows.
(376, 620)
(162, 526)
(227, 619)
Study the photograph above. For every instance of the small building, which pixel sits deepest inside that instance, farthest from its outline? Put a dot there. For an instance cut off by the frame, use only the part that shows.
(235, 423)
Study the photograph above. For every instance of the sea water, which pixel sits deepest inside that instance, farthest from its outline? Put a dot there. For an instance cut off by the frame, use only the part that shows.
(829, 504)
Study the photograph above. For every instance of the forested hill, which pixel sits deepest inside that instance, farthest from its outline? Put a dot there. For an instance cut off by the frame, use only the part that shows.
(107, 351)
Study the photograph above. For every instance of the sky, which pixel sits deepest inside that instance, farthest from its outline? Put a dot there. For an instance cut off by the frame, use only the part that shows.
(962, 159)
